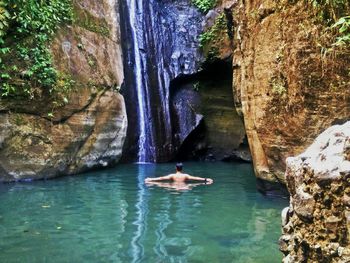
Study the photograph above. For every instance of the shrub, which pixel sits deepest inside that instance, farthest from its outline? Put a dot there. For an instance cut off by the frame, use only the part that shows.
(204, 5)
(4, 19)
(27, 26)
(343, 25)
(220, 26)
(214, 38)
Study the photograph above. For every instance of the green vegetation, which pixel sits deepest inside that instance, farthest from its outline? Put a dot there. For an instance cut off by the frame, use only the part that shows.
(278, 88)
(196, 86)
(86, 20)
(204, 5)
(26, 28)
(278, 85)
(220, 26)
(336, 14)
(4, 18)
(330, 10)
(213, 39)
(343, 25)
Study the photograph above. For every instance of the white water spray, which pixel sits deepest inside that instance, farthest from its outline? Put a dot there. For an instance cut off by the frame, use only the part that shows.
(141, 97)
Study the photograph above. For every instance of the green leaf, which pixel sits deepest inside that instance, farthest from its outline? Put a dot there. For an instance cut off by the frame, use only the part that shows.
(343, 29)
(339, 22)
(5, 76)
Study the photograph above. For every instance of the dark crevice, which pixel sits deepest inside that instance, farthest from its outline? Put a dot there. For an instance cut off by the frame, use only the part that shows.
(211, 85)
(193, 147)
(272, 188)
(63, 120)
(265, 13)
(230, 26)
(211, 71)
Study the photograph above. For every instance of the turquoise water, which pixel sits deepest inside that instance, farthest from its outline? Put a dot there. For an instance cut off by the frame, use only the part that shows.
(111, 216)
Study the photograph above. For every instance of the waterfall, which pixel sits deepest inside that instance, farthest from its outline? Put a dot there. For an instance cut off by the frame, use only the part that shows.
(149, 80)
(158, 45)
(141, 98)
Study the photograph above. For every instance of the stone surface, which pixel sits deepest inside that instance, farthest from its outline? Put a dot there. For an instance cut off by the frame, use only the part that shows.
(186, 114)
(221, 134)
(316, 224)
(168, 37)
(89, 131)
(287, 90)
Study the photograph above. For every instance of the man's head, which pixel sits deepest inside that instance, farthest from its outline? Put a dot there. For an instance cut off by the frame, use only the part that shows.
(179, 167)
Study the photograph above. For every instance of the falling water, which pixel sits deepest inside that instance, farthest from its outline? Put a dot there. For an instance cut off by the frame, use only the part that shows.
(141, 98)
(158, 48)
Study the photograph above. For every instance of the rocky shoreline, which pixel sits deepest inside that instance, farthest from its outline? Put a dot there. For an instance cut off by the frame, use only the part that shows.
(316, 225)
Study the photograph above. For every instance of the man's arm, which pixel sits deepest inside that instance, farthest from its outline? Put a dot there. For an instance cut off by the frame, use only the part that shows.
(195, 178)
(162, 178)
(176, 186)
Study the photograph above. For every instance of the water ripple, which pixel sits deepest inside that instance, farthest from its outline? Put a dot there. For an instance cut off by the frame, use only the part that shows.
(113, 217)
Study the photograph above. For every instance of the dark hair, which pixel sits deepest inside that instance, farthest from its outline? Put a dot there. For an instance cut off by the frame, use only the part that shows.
(179, 167)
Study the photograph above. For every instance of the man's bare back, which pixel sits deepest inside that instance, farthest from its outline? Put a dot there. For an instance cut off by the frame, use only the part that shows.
(179, 177)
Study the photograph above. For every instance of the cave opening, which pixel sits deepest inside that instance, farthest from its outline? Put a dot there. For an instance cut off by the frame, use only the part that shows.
(216, 132)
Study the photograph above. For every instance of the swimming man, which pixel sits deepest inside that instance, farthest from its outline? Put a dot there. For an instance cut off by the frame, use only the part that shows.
(179, 177)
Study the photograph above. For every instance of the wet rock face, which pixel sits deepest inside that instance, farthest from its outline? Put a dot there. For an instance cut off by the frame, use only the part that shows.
(316, 225)
(180, 116)
(186, 115)
(286, 90)
(208, 98)
(89, 131)
(168, 43)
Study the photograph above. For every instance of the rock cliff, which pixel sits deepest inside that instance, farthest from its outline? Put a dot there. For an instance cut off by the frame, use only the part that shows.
(286, 86)
(89, 131)
(177, 100)
(160, 44)
(316, 225)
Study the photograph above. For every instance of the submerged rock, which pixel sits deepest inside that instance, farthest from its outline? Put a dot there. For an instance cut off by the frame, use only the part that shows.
(316, 226)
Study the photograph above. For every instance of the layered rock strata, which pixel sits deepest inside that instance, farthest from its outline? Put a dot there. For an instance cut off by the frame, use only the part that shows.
(39, 140)
(316, 225)
(286, 87)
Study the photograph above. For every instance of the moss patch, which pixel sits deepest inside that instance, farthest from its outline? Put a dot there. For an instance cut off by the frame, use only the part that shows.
(215, 38)
(86, 20)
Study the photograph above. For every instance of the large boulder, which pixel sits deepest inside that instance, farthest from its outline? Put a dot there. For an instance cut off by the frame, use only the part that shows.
(41, 140)
(316, 226)
(286, 86)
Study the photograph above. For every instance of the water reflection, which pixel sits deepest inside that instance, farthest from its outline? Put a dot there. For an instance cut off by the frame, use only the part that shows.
(163, 220)
(141, 216)
(177, 186)
(120, 219)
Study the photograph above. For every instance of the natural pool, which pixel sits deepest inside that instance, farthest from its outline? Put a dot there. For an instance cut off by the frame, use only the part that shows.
(111, 216)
